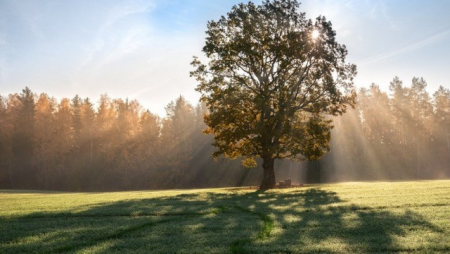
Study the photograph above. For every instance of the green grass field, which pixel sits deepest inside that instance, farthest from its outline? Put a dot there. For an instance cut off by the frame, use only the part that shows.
(337, 218)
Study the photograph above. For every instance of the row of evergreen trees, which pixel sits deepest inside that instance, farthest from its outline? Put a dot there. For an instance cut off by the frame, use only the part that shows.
(70, 145)
(402, 134)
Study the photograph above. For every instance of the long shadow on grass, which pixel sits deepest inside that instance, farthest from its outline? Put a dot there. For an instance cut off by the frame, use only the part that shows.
(254, 222)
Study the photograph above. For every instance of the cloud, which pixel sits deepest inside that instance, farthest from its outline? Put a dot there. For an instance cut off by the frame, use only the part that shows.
(386, 16)
(115, 14)
(3, 51)
(377, 8)
(409, 48)
(131, 41)
(120, 11)
(116, 36)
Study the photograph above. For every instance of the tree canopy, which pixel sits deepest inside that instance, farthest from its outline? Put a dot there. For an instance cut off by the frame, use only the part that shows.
(271, 79)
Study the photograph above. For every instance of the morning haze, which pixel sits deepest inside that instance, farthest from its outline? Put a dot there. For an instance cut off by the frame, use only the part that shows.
(224, 126)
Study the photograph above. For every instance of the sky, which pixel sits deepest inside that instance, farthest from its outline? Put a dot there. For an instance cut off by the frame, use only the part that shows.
(142, 49)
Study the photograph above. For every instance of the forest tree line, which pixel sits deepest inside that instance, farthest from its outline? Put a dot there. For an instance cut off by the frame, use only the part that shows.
(72, 145)
(402, 134)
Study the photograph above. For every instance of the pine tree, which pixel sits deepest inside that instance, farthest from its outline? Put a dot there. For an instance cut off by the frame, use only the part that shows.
(23, 140)
(45, 141)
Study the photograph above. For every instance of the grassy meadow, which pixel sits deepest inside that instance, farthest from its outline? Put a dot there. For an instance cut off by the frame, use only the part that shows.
(337, 218)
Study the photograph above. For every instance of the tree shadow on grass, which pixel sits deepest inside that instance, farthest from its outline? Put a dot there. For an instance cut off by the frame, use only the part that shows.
(310, 220)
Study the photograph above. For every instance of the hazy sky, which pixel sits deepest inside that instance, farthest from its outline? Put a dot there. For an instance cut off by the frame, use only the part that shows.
(142, 49)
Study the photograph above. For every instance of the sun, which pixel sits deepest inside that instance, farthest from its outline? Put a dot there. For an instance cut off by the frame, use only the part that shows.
(315, 34)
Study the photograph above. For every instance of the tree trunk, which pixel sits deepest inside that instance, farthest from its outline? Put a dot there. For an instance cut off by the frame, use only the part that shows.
(11, 179)
(269, 174)
(448, 146)
(418, 160)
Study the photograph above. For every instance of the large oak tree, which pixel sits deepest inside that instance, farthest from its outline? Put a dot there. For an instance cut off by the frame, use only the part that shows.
(271, 80)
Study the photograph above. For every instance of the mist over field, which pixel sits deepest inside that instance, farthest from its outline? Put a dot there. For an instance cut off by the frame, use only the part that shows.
(70, 144)
(57, 132)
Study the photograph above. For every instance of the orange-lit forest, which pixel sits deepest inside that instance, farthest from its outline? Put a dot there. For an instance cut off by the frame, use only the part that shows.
(72, 144)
